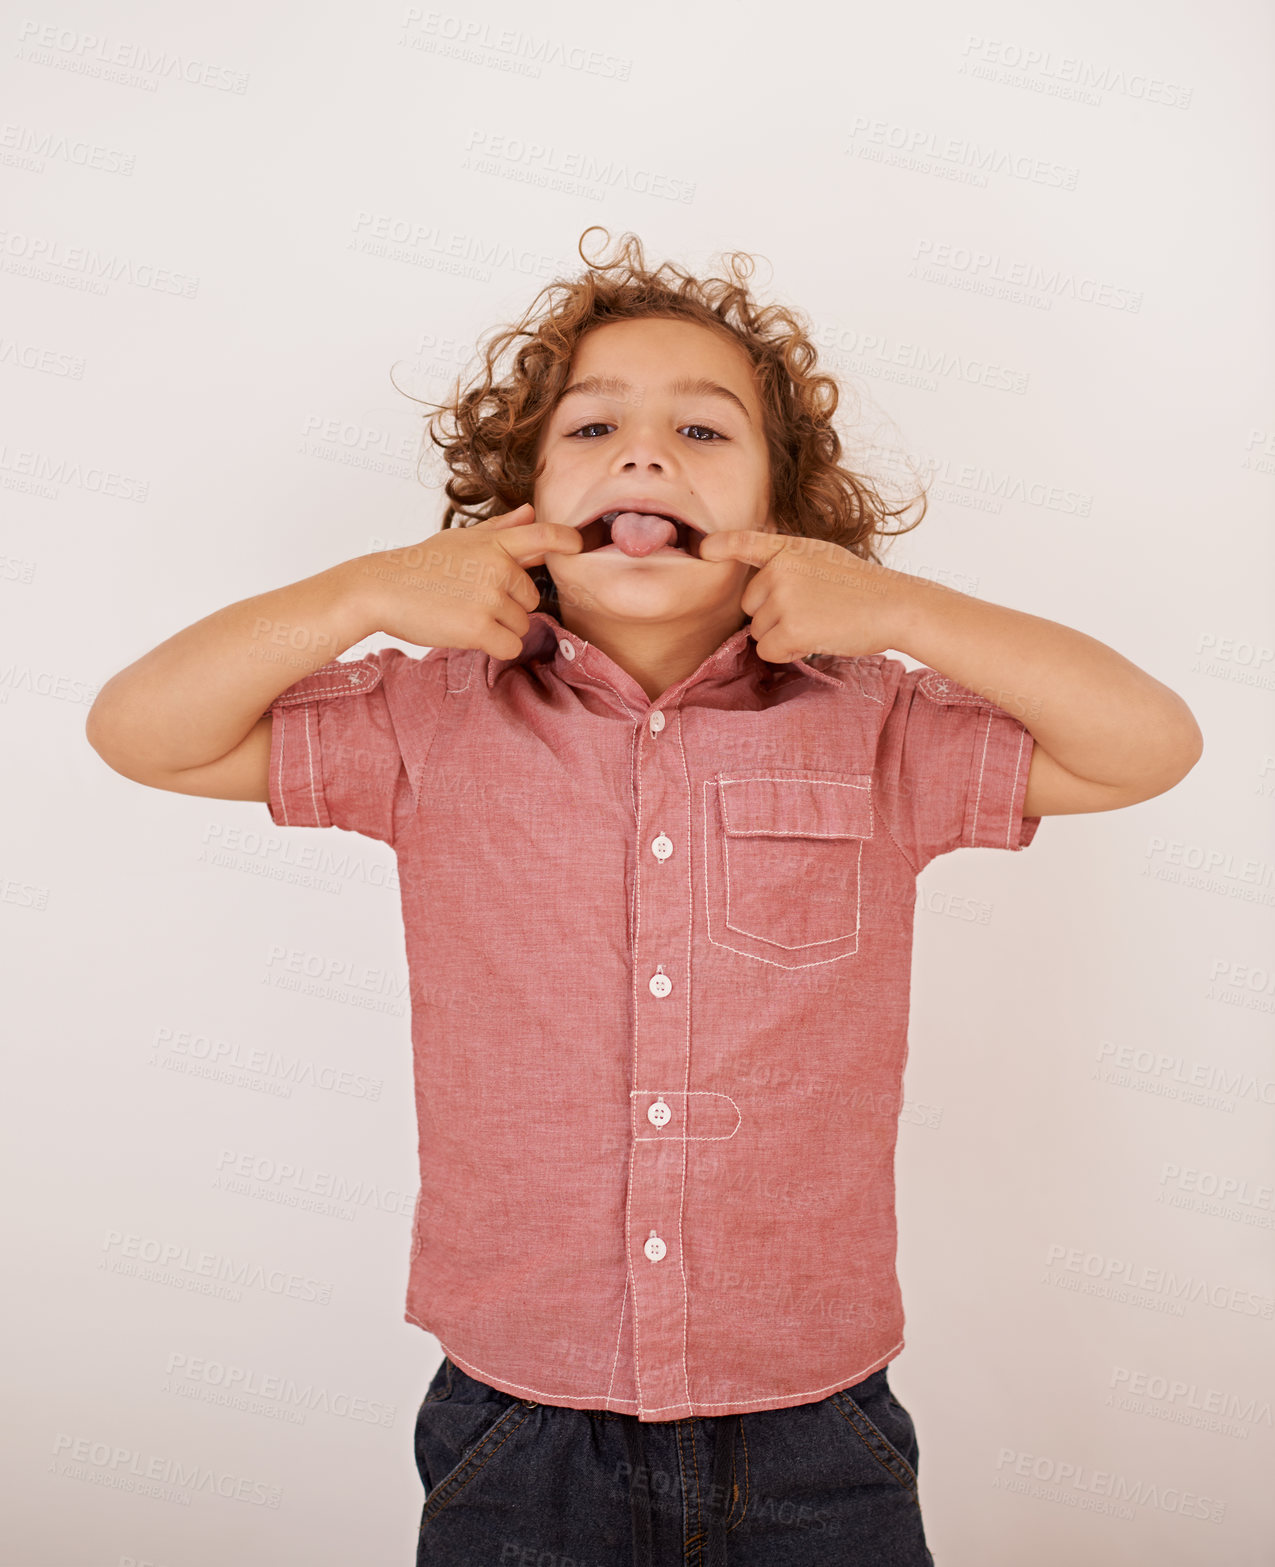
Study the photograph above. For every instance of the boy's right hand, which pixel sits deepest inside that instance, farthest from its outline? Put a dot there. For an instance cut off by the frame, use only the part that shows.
(464, 587)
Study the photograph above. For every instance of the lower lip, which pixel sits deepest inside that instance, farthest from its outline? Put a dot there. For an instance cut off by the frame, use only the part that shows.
(664, 549)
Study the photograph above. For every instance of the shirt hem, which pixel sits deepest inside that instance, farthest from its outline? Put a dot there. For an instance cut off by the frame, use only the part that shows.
(744, 1405)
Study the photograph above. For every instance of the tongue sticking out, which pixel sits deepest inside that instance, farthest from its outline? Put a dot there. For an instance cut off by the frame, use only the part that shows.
(637, 534)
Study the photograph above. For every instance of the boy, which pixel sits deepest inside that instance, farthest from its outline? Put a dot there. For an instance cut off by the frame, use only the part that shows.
(657, 874)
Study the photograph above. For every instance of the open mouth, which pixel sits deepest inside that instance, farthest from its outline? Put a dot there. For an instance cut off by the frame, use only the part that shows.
(596, 535)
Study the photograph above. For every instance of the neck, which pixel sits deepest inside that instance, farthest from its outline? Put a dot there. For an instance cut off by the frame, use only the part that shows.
(657, 654)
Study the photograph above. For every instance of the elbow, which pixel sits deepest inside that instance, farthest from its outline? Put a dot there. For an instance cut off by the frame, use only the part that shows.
(1180, 757)
(97, 731)
(93, 730)
(95, 721)
(1190, 744)
(1181, 745)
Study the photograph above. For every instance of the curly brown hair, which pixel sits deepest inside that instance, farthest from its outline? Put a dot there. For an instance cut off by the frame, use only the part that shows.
(489, 433)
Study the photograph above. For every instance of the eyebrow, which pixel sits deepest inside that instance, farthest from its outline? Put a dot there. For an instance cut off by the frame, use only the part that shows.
(614, 386)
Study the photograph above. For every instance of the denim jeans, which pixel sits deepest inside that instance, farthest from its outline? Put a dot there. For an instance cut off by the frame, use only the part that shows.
(510, 1482)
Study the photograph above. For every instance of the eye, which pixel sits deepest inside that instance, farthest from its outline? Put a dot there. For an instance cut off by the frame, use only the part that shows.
(601, 425)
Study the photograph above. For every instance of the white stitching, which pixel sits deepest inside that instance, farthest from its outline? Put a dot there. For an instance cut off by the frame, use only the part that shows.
(872, 660)
(466, 664)
(619, 1336)
(781, 1400)
(282, 789)
(1013, 790)
(684, 1093)
(609, 685)
(281, 719)
(1025, 736)
(629, 1261)
(766, 940)
(796, 946)
(686, 1047)
(950, 693)
(346, 687)
(318, 800)
(864, 787)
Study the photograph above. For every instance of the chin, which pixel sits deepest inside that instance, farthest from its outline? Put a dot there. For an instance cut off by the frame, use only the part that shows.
(633, 599)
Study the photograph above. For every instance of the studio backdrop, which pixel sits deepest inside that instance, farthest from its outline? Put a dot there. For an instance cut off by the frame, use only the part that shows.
(239, 247)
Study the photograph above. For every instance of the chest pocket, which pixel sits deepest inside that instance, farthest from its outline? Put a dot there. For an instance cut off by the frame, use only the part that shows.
(783, 857)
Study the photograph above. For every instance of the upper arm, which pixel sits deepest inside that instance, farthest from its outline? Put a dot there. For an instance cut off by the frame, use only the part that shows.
(951, 768)
(242, 774)
(1053, 791)
(350, 741)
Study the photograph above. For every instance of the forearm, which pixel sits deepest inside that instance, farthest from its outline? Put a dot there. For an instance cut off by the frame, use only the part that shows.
(1094, 712)
(193, 698)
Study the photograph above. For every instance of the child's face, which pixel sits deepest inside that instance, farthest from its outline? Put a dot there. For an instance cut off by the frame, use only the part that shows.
(702, 454)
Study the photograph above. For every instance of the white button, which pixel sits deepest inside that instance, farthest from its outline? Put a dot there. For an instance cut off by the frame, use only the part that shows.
(660, 984)
(662, 847)
(659, 1113)
(657, 721)
(655, 1247)
(566, 648)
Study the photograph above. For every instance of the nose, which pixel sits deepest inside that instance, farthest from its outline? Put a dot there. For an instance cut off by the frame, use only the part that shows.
(643, 448)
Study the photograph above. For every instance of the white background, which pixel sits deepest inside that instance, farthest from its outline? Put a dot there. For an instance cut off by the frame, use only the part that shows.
(1090, 1048)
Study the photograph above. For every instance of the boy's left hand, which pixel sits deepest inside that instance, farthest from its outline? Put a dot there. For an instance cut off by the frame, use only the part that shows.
(810, 596)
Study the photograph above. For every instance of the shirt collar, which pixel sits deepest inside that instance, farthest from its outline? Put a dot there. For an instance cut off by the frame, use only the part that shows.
(580, 663)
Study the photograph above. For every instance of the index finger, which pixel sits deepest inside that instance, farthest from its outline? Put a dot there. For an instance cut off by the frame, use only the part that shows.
(746, 544)
(529, 543)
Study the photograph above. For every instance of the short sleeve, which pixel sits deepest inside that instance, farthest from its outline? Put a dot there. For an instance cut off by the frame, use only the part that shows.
(348, 741)
(952, 767)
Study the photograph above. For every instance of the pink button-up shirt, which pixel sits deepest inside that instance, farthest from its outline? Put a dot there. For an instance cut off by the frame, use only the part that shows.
(659, 956)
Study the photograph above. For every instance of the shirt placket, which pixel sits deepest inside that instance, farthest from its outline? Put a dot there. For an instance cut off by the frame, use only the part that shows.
(659, 1101)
